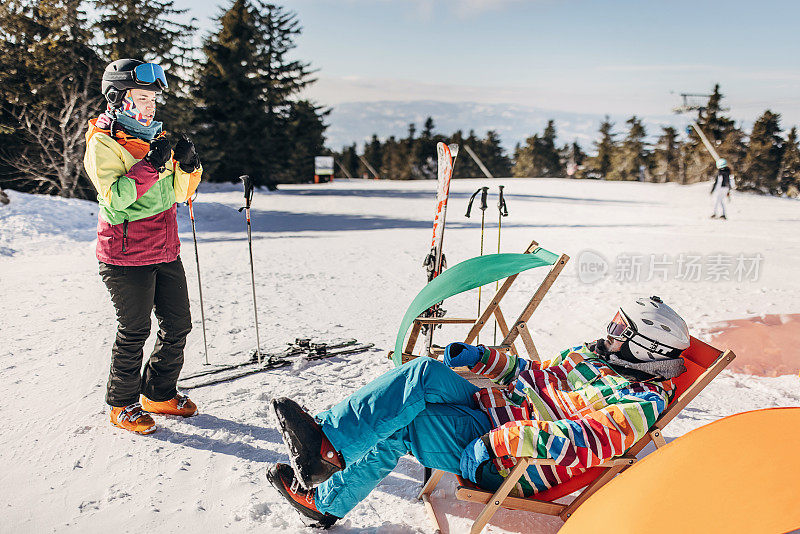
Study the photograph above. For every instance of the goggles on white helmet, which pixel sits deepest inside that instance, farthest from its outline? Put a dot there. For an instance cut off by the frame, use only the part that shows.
(621, 328)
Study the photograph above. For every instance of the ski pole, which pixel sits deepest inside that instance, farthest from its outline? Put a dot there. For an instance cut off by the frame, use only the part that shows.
(503, 212)
(484, 191)
(248, 197)
(199, 284)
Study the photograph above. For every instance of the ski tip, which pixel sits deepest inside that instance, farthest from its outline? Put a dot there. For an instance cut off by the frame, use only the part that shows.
(453, 149)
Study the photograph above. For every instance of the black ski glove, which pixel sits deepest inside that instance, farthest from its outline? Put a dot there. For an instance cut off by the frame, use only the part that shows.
(185, 155)
(159, 153)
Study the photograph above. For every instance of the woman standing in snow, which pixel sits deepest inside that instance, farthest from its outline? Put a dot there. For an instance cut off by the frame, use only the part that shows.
(139, 179)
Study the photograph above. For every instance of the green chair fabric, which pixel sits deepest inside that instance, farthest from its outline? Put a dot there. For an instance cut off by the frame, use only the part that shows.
(467, 275)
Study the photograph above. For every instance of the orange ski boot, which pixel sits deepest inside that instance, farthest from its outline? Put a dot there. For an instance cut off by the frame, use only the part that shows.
(178, 405)
(131, 417)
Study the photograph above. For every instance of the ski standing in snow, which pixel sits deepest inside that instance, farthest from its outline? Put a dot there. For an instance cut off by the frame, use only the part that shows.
(435, 261)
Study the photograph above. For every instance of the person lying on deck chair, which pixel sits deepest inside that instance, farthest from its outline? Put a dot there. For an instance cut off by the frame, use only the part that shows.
(585, 406)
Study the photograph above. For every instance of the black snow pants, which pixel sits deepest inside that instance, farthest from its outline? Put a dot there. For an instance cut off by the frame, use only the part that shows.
(135, 292)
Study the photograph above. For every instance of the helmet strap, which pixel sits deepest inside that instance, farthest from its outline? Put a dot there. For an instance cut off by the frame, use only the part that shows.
(626, 354)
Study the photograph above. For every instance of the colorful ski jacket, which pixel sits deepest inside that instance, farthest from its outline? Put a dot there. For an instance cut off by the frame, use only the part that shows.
(137, 222)
(573, 409)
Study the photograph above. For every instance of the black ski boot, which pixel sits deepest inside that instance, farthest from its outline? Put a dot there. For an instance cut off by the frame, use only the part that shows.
(282, 478)
(313, 457)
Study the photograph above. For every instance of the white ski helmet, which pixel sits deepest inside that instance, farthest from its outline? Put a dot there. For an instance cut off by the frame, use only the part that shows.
(650, 330)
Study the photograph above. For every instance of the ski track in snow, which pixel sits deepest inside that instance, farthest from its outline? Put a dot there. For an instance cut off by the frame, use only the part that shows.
(332, 261)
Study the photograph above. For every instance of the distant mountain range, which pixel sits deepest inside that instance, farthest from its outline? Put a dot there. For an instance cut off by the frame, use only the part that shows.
(357, 121)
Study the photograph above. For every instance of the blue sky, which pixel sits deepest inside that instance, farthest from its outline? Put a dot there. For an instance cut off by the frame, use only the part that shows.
(614, 56)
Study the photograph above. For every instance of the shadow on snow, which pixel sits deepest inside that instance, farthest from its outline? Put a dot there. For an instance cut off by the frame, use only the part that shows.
(215, 217)
(232, 448)
(322, 191)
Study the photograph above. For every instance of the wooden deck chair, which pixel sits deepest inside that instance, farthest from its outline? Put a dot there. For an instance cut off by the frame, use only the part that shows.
(703, 363)
(518, 329)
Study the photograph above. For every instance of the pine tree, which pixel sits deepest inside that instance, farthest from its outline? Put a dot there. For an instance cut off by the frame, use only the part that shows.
(466, 167)
(230, 124)
(630, 160)
(49, 76)
(523, 158)
(599, 166)
(282, 79)
(733, 148)
(413, 149)
(721, 133)
(494, 156)
(789, 175)
(574, 160)
(394, 159)
(427, 132)
(764, 152)
(539, 156)
(43, 43)
(148, 31)
(546, 159)
(714, 125)
(348, 159)
(305, 132)
(428, 166)
(245, 90)
(667, 156)
(373, 153)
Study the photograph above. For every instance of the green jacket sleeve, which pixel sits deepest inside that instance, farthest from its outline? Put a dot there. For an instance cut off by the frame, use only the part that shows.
(105, 165)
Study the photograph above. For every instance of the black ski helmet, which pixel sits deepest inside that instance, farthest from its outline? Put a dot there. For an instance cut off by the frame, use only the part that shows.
(119, 76)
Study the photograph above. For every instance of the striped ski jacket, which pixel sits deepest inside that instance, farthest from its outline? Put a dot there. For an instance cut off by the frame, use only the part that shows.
(136, 222)
(573, 409)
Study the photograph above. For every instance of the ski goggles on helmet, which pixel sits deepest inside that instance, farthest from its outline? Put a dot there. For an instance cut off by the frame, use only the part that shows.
(621, 329)
(148, 73)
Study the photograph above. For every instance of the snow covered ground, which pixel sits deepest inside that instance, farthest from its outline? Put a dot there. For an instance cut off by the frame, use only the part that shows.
(337, 260)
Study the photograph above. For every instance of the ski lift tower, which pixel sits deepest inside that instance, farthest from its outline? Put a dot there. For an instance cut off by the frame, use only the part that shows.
(697, 102)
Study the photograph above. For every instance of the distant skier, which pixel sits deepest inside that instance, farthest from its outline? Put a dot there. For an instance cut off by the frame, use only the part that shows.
(722, 188)
(139, 179)
(585, 406)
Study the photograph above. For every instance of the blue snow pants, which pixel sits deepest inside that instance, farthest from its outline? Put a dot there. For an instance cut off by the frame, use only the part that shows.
(422, 407)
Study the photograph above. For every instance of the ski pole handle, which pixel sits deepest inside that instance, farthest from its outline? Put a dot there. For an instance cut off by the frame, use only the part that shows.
(471, 199)
(501, 203)
(484, 191)
(248, 190)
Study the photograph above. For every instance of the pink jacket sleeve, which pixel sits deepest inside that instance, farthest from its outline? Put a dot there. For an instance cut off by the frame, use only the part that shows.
(144, 175)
